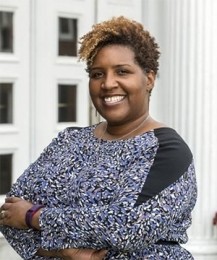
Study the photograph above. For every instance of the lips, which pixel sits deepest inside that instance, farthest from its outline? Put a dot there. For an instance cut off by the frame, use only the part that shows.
(114, 99)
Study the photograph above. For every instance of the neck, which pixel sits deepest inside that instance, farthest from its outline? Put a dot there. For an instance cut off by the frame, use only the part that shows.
(111, 133)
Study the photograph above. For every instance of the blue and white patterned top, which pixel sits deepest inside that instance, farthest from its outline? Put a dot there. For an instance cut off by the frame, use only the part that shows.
(123, 195)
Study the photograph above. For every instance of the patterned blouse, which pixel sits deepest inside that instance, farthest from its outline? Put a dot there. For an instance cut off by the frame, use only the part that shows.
(133, 197)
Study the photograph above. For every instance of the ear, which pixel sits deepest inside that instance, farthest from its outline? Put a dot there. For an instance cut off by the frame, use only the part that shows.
(151, 76)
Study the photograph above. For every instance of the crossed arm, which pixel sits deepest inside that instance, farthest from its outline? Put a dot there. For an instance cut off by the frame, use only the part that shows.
(15, 210)
(12, 213)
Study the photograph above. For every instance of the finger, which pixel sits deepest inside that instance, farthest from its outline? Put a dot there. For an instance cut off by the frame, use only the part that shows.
(2, 214)
(2, 207)
(99, 255)
(5, 206)
(1, 222)
(12, 199)
(4, 218)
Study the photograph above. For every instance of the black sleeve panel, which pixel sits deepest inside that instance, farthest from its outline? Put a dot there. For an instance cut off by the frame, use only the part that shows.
(171, 161)
(75, 127)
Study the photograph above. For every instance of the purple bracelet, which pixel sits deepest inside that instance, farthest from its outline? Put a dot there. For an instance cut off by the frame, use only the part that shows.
(30, 213)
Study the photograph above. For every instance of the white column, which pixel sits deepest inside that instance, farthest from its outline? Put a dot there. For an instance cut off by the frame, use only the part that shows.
(186, 98)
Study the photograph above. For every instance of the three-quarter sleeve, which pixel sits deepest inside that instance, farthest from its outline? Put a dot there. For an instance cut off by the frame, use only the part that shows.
(27, 242)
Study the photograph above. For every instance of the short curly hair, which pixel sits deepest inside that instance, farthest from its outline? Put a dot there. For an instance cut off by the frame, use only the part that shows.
(121, 30)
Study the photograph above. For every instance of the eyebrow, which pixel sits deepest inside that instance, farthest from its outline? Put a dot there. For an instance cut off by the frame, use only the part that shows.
(116, 66)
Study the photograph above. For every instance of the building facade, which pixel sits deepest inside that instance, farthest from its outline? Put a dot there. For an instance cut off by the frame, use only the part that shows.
(43, 88)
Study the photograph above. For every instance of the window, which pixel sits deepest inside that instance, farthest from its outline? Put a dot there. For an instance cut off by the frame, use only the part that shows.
(6, 32)
(67, 37)
(5, 173)
(6, 103)
(67, 99)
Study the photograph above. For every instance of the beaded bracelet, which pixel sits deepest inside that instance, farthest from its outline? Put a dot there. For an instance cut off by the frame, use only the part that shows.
(30, 213)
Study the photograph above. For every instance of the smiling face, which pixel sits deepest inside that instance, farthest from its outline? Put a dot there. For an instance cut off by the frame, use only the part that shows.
(119, 88)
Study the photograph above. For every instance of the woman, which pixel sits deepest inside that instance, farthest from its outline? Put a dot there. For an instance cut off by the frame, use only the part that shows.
(126, 185)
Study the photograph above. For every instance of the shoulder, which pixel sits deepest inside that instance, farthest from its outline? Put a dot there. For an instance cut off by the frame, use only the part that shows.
(69, 136)
(173, 155)
(74, 132)
(173, 159)
(172, 146)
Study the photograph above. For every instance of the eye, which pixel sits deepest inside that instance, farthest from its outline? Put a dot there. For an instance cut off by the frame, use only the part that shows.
(96, 74)
(122, 72)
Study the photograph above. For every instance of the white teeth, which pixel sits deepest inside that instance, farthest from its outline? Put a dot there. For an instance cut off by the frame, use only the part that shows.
(113, 99)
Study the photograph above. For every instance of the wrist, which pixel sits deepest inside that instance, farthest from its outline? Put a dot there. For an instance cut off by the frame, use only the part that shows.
(33, 212)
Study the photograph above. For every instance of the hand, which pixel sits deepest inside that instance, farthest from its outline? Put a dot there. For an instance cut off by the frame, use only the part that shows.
(83, 254)
(75, 254)
(13, 212)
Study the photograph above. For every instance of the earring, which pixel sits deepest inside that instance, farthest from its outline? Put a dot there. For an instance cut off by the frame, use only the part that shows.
(96, 113)
(149, 91)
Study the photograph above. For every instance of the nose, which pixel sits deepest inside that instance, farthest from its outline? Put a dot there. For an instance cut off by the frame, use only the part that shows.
(109, 81)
